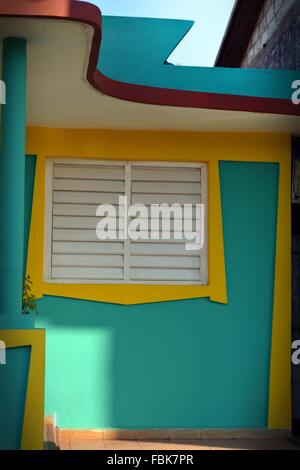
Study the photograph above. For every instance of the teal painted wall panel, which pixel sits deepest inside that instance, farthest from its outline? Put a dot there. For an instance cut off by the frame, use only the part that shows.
(13, 386)
(190, 363)
(134, 50)
(30, 165)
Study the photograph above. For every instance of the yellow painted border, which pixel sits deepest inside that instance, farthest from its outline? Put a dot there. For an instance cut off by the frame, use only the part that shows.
(126, 294)
(33, 422)
(280, 407)
(180, 147)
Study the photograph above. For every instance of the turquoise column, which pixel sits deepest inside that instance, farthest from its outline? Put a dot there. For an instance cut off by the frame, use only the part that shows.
(12, 178)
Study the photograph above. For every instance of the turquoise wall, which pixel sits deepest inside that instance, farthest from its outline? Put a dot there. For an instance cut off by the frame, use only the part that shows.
(13, 385)
(30, 166)
(190, 363)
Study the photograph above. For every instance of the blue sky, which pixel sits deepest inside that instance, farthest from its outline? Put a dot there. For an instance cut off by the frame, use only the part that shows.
(200, 46)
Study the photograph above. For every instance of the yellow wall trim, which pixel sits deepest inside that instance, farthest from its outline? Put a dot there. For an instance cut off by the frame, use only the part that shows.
(33, 422)
(96, 144)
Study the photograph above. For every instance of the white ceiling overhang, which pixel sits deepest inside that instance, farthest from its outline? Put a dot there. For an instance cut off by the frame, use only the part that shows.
(59, 94)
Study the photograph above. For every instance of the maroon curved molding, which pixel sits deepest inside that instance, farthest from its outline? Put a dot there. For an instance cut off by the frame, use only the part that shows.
(82, 12)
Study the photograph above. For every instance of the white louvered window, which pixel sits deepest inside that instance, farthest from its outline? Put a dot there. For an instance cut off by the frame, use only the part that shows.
(74, 253)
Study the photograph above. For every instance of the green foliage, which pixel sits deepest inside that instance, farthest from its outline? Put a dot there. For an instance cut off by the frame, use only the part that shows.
(28, 299)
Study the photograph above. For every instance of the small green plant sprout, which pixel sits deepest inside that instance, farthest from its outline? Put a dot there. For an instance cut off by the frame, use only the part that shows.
(28, 299)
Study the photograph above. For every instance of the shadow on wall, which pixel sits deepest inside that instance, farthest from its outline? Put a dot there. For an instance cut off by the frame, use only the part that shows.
(190, 363)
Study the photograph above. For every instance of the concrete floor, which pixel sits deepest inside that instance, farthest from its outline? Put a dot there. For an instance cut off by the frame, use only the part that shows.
(212, 444)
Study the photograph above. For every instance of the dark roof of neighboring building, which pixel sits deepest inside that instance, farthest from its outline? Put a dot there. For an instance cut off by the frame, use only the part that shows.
(240, 28)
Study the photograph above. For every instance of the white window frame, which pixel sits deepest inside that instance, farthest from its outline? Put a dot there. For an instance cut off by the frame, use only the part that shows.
(48, 223)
